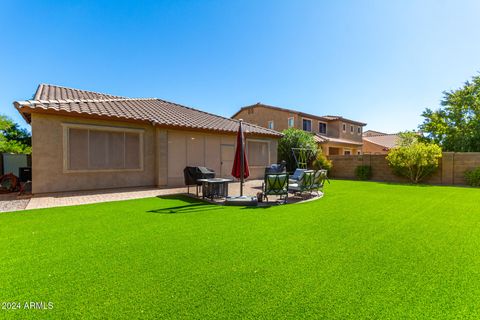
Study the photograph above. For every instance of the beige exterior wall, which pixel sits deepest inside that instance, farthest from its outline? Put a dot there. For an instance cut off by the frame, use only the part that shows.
(372, 148)
(47, 158)
(190, 148)
(332, 149)
(214, 151)
(165, 154)
(355, 136)
(261, 116)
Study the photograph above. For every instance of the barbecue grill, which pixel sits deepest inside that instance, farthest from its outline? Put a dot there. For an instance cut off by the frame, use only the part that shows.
(192, 174)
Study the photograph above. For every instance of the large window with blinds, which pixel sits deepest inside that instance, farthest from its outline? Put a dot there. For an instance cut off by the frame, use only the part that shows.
(98, 148)
(258, 152)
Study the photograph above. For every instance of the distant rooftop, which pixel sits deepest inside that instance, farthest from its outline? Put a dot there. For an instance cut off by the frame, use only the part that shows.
(308, 115)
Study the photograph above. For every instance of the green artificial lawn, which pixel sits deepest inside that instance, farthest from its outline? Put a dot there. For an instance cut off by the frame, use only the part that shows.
(366, 250)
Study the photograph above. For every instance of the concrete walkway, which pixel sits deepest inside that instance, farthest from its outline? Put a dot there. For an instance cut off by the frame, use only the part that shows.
(59, 199)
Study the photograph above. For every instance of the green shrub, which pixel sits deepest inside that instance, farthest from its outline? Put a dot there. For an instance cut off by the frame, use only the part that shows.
(414, 159)
(321, 161)
(473, 177)
(295, 138)
(363, 172)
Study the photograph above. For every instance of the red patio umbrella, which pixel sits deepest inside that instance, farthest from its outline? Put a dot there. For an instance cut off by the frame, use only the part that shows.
(240, 164)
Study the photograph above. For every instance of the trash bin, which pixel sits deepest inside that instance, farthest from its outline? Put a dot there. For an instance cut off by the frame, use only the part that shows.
(25, 174)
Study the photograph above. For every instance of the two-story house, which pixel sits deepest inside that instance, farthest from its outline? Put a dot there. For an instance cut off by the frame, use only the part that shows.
(334, 134)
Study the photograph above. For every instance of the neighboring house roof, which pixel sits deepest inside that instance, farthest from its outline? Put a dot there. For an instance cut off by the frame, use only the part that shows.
(151, 110)
(371, 133)
(319, 138)
(387, 140)
(340, 118)
(303, 114)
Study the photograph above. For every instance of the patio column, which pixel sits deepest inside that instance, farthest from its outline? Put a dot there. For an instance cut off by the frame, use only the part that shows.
(161, 157)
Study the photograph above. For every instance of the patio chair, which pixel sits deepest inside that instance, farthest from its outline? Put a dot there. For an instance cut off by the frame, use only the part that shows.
(297, 175)
(275, 184)
(304, 184)
(319, 180)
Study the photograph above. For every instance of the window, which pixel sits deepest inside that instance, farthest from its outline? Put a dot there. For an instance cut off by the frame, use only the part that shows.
(258, 153)
(322, 127)
(359, 152)
(97, 148)
(347, 152)
(291, 122)
(351, 129)
(359, 130)
(307, 125)
(344, 127)
(270, 124)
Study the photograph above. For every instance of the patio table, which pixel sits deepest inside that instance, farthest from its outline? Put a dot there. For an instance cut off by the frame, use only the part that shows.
(215, 187)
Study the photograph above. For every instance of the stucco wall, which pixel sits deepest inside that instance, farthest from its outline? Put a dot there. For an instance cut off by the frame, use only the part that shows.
(373, 148)
(47, 158)
(355, 136)
(262, 115)
(451, 169)
(215, 151)
(166, 154)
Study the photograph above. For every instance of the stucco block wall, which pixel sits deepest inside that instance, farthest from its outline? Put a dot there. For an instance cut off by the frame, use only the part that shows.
(47, 158)
(451, 168)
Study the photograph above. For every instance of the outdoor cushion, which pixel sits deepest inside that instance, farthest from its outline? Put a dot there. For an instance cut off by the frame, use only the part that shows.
(294, 187)
(297, 175)
(305, 183)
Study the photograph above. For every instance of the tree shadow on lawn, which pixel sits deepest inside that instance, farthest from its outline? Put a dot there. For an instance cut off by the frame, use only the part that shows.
(193, 205)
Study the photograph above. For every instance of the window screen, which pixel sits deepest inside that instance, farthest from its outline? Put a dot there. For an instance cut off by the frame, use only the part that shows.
(257, 153)
(322, 127)
(290, 122)
(307, 125)
(90, 149)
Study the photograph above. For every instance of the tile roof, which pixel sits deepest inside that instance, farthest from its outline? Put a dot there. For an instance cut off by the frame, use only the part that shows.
(332, 118)
(371, 133)
(387, 140)
(51, 99)
(51, 92)
(303, 114)
(319, 138)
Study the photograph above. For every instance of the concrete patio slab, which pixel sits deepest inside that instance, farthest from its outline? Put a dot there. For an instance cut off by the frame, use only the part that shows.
(12, 202)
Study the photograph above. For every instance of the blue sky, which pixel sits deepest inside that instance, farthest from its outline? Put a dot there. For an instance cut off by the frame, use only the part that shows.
(381, 62)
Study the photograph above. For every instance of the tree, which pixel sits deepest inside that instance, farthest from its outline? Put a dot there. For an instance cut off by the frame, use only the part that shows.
(295, 138)
(321, 161)
(455, 126)
(413, 158)
(14, 139)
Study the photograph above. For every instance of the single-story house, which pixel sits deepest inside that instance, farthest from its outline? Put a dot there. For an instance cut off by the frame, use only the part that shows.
(84, 140)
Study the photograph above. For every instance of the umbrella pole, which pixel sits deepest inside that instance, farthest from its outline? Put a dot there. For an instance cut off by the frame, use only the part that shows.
(242, 161)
